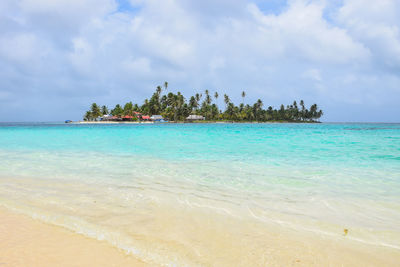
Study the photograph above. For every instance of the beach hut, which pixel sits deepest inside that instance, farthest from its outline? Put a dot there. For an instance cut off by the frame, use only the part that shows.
(195, 118)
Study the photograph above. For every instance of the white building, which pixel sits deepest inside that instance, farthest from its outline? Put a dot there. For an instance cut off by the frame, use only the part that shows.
(195, 118)
(156, 118)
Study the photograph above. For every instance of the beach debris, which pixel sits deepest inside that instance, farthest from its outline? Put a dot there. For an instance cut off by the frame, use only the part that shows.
(346, 231)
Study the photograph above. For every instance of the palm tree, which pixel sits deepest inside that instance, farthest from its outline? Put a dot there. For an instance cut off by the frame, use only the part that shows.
(198, 97)
(295, 111)
(303, 112)
(216, 99)
(314, 112)
(166, 85)
(180, 101)
(227, 100)
(208, 98)
(243, 96)
(95, 110)
(172, 101)
(104, 110)
(117, 111)
(319, 114)
(88, 116)
(259, 103)
(128, 109)
(158, 90)
(258, 108)
(145, 107)
(230, 110)
(192, 103)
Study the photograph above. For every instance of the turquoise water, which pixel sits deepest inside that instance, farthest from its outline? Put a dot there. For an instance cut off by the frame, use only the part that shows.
(315, 177)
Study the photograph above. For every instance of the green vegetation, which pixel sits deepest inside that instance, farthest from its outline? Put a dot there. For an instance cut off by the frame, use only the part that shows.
(174, 107)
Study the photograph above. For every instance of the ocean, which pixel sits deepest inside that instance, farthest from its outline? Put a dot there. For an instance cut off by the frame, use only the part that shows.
(188, 194)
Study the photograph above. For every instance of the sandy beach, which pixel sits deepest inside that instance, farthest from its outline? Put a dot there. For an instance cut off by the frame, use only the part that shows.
(112, 122)
(28, 242)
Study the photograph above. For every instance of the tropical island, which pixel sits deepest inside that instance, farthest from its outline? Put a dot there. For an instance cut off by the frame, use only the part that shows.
(199, 108)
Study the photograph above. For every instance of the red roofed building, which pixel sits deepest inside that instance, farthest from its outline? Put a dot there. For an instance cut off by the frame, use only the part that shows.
(145, 117)
(127, 118)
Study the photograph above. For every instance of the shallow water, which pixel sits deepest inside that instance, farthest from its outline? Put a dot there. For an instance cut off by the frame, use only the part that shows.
(159, 191)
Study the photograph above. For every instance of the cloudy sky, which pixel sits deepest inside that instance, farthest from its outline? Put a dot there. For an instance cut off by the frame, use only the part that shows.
(58, 56)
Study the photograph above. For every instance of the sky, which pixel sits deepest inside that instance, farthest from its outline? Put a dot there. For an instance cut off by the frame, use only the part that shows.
(59, 56)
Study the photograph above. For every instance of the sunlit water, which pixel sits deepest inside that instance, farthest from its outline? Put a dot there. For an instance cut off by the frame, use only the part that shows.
(154, 190)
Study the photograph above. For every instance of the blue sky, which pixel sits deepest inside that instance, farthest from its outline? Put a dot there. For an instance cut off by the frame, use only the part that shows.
(57, 57)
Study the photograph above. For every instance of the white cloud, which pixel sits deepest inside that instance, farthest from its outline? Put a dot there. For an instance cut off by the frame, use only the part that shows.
(313, 74)
(88, 50)
(19, 48)
(82, 56)
(72, 10)
(140, 66)
(376, 26)
(305, 34)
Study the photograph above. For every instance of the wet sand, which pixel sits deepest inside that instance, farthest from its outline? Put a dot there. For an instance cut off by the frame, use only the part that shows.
(28, 242)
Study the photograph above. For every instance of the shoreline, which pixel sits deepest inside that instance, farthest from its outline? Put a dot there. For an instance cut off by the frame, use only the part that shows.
(190, 122)
(29, 242)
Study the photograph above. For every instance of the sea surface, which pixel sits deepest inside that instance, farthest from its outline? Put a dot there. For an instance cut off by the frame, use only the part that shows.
(155, 190)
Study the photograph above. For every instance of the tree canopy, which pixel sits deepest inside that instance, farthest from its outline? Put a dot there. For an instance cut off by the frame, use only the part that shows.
(175, 107)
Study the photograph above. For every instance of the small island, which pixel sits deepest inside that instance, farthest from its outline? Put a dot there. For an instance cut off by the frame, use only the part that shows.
(172, 107)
